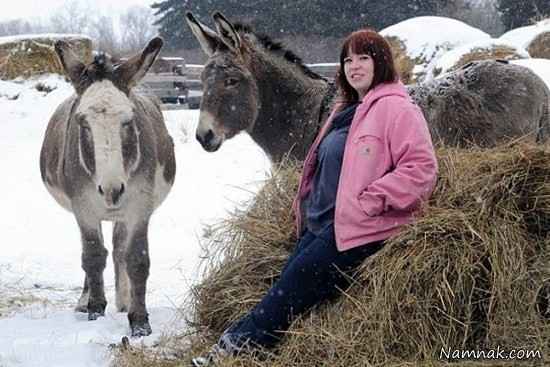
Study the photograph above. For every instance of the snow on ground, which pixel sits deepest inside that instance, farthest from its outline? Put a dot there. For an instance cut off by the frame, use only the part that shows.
(40, 274)
(426, 37)
(541, 67)
(524, 35)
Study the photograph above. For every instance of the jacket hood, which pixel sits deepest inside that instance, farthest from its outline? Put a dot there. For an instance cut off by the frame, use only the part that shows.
(384, 90)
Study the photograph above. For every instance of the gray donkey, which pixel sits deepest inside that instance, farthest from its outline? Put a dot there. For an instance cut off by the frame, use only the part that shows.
(251, 83)
(484, 103)
(107, 156)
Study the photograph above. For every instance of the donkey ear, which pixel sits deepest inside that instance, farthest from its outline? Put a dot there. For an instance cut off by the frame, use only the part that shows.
(129, 73)
(71, 63)
(225, 29)
(207, 38)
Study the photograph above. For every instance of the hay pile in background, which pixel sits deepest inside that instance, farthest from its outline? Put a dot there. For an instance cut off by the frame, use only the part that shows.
(26, 56)
(540, 46)
(469, 274)
(32, 59)
(403, 63)
(475, 51)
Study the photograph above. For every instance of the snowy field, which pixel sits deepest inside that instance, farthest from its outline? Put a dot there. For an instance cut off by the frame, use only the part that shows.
(40, 274)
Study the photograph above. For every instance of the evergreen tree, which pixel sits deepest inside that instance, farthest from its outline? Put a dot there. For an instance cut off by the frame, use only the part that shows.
(171, 21)
(279, 18)
(516, 13)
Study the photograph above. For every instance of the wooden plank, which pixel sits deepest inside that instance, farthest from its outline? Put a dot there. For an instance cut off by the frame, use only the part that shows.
(164, 78)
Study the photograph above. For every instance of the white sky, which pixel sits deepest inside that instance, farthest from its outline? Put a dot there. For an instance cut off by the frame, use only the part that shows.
(28, 9)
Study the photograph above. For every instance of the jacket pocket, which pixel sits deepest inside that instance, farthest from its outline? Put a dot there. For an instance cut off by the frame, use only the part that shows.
(368, 145)
(370, 204)
(369, 155)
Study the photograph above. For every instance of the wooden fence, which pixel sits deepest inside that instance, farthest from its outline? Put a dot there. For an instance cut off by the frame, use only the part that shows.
(183, 89)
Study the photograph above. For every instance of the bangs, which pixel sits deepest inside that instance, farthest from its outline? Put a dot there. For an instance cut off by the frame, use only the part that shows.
(358, 43)
(367, 41)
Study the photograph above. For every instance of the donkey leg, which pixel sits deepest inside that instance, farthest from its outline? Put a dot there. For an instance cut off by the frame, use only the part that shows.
(122, 283)
(94, 256)
(137, 266)
(82, 305)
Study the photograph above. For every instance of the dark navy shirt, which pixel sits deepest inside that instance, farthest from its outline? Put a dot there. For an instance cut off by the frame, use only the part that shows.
(321, 200)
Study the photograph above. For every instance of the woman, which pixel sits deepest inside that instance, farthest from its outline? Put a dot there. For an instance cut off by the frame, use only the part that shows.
(364, 177)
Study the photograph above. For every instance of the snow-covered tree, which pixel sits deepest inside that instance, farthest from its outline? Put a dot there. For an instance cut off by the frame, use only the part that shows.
(137, 27)
(73, 17)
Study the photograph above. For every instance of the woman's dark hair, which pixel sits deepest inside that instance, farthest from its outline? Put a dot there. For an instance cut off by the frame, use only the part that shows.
(366, 41)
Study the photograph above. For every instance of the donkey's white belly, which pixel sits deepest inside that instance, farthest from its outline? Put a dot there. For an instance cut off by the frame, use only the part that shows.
(59, 196)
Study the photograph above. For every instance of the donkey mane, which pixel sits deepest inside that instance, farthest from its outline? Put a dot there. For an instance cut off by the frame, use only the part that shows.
(100, 68)
(277, 48)
(282, 104)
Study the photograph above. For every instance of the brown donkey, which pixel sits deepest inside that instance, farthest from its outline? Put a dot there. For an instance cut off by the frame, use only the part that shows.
(251, 83)
(107, 156)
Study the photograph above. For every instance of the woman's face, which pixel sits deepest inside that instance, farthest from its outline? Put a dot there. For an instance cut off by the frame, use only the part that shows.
(359, 71)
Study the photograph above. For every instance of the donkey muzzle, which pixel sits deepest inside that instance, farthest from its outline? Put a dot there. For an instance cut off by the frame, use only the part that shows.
(207, 132)
(112, 194)
(208, 141)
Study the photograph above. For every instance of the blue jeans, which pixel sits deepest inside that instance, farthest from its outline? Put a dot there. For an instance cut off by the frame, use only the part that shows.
(315, 272)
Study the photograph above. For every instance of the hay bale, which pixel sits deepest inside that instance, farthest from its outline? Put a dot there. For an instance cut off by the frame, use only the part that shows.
(413, 51)
(492, 49)
(265, 235)
(466, 275)
(534, 38)
(403, 63)
(26, 56)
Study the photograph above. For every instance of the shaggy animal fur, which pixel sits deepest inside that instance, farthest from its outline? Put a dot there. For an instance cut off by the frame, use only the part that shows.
(485, 103)
(252, 83)
(107, 156)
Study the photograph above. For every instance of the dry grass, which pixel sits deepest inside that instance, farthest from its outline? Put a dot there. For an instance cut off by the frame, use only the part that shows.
(266, 234)
(35, 56)
(494, 52)
(403, 63)
(471, 273)
(32, 59)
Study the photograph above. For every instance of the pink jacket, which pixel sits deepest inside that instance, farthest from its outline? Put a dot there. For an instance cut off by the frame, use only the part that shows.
(389, 168)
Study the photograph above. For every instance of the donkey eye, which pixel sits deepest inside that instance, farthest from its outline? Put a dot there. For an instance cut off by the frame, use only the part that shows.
(230, 82)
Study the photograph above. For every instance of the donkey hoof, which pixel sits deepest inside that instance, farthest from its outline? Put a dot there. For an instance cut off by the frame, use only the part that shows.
(96, 309)
(94, 315)
(81, 308)
(139, 324)
(141, 330)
